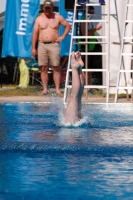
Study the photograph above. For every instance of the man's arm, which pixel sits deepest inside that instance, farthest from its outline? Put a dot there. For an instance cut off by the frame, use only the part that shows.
(90, 32)
(34, 37)
(67, 26)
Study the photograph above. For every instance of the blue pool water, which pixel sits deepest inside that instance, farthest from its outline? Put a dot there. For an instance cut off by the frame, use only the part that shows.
(41, 159)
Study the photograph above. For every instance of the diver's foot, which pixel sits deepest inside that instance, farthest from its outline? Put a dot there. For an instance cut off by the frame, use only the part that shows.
(79, 59)
(74, 63)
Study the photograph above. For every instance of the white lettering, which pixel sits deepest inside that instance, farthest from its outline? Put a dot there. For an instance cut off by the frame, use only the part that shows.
(22, 24)
(20, 33)
(70, 13)
(69, 19)
(24, 12)
(71, 23)
(25, 1)
(23, 17)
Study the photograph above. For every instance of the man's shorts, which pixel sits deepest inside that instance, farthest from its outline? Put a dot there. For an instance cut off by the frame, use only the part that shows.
(48, 53)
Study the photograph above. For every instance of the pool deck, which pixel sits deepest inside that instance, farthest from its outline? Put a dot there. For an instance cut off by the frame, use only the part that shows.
(47, 99)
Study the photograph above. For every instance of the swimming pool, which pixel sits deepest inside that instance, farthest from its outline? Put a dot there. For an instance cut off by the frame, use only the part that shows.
(40, 158)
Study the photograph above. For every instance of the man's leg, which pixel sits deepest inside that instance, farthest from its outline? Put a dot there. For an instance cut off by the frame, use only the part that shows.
(43, 63)
(56, 78)
(54, 59)
(44, 78)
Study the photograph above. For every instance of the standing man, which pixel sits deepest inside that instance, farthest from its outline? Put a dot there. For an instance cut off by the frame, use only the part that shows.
(46, 29)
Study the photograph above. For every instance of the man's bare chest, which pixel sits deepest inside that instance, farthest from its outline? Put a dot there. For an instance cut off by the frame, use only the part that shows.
(51, 23)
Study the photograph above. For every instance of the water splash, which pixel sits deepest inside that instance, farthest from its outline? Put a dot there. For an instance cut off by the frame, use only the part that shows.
(81, 122)
(58, 103)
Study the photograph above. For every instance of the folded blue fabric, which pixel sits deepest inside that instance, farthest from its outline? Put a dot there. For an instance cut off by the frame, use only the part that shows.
(81, 2)
(102, 2)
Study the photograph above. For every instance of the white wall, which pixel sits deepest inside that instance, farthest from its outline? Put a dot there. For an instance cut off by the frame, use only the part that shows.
(2, 5)
(115, 49)
(2, 9)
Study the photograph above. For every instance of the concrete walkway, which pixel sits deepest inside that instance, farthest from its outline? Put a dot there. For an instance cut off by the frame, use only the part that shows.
(48, 99)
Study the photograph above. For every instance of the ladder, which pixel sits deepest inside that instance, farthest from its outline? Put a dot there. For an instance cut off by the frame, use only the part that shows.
(122, 54)
(107, 54)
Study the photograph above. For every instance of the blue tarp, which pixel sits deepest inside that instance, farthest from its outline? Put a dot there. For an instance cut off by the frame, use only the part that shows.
(18, 27)
(68, 15)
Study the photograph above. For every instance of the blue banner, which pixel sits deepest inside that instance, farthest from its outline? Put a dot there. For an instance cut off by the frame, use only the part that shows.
(68, 15)
(18, 27)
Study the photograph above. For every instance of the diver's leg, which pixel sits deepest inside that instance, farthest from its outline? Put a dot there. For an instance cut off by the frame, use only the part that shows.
(71, 114)
(79, 60)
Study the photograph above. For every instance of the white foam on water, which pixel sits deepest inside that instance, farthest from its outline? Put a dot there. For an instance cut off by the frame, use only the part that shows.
(82, 121)
(61, 107)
